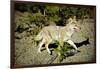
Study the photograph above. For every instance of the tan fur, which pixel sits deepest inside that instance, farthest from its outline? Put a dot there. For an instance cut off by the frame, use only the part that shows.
(51, 34)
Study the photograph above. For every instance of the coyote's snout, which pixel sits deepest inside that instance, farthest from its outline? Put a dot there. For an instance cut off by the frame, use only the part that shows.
(51, 34)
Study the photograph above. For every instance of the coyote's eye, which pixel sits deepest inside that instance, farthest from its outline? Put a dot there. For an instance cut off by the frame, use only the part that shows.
(75, 25)
(74, 28)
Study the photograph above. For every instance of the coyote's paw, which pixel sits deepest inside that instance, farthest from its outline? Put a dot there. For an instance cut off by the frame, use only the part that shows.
(49, 52)
(39, 51)
(78, 50)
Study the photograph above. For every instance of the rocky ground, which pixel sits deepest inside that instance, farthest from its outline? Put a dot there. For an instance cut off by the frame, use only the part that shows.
(26, 49)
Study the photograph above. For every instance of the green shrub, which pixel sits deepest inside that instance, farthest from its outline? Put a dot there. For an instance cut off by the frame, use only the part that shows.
(62, 51)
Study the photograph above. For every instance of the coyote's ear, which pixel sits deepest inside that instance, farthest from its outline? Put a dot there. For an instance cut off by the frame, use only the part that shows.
(74, 18)
(69, 20)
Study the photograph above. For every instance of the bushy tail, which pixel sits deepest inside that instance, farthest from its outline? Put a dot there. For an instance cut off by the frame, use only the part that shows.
(38, 37)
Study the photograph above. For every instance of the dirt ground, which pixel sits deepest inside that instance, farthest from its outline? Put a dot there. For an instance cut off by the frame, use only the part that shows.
(26, 48)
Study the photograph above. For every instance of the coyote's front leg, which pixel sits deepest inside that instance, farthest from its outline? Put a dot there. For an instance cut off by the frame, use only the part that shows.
(72, 43)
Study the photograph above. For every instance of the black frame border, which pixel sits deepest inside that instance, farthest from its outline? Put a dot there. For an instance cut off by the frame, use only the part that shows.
(12, 34)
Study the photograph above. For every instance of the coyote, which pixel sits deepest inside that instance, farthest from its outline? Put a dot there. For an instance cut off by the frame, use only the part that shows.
(51, 34)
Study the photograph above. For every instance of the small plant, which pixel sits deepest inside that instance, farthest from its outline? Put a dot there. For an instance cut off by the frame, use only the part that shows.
(62, 51)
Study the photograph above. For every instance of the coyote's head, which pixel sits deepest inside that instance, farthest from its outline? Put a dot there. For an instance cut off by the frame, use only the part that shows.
(73, 24)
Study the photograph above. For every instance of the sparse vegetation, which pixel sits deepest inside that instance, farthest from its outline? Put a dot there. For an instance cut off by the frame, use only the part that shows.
(33, 17)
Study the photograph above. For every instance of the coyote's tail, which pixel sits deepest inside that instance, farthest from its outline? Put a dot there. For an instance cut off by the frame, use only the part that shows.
(38, 37)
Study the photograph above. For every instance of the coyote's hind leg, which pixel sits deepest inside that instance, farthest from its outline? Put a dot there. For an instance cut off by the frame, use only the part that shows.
(47, 48)
(40, 45)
